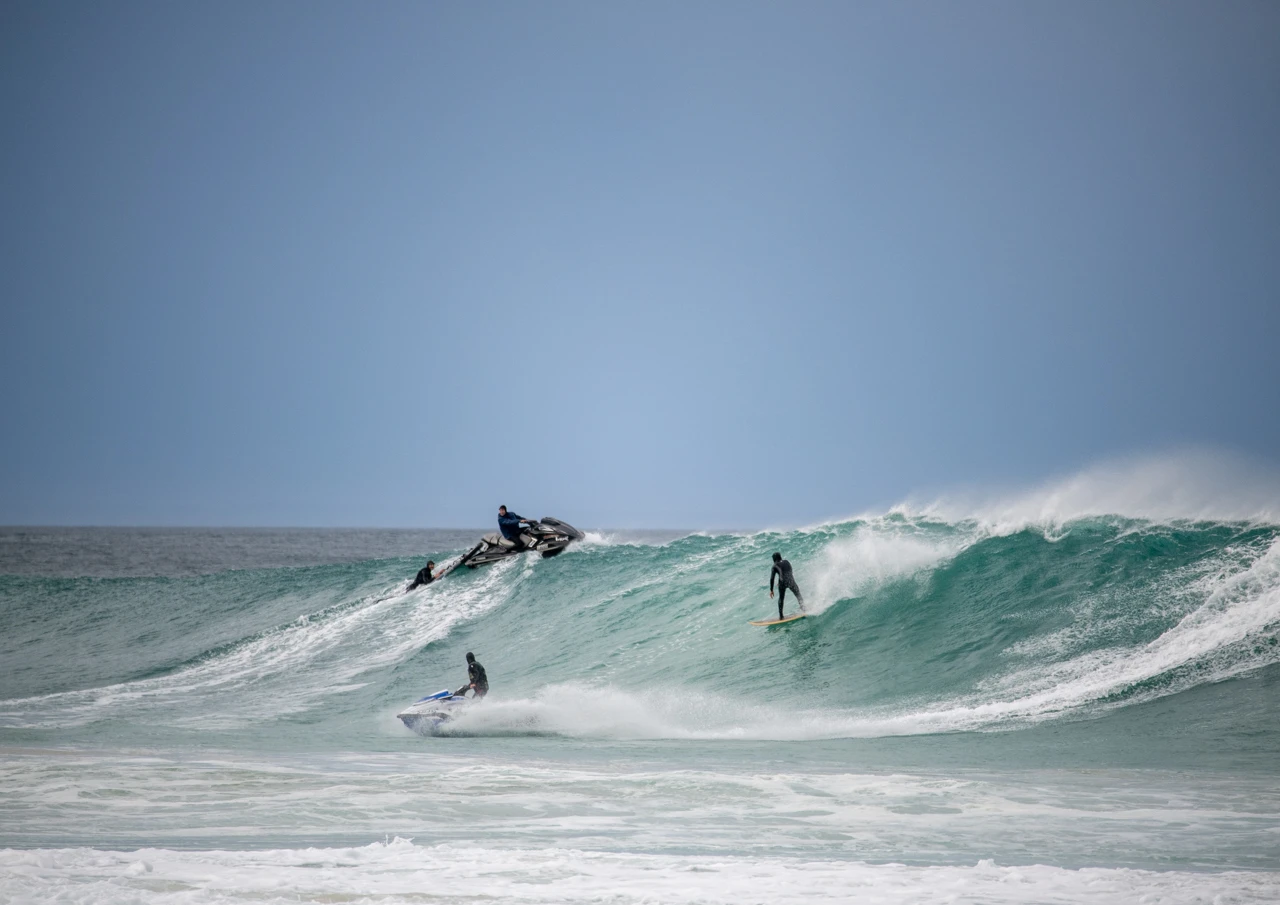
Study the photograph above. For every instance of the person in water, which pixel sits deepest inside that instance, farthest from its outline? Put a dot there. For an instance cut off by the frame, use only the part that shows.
(477, 680)
(424, 576)
(509, 524)
(782, 571)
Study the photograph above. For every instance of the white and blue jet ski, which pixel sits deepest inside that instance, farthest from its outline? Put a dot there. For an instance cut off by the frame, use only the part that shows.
(427, 715)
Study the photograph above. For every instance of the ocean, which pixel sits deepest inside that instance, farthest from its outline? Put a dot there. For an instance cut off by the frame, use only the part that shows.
(983, 707)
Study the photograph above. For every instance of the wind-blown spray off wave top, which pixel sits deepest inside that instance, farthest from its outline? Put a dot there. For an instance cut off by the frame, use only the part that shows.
(926, 619)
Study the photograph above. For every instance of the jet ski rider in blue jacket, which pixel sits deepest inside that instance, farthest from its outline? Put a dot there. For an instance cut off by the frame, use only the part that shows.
(509, 525)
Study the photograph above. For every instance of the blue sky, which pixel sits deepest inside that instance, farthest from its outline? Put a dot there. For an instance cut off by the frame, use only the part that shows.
(634, 265)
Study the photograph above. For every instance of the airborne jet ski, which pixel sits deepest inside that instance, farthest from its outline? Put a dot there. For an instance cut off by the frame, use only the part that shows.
(427, 715)
(550, 536)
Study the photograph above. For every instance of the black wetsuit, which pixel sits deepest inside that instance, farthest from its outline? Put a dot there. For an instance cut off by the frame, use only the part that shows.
(782, 571)
(424, 577)
(475, 676)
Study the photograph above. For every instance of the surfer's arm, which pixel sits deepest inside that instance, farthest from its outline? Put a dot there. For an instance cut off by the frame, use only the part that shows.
(773, 573)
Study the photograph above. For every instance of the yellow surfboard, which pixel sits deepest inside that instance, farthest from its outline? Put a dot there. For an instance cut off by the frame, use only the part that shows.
(790, 617)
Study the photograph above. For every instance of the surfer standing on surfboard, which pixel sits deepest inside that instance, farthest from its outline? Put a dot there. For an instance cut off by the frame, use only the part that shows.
(782, 571)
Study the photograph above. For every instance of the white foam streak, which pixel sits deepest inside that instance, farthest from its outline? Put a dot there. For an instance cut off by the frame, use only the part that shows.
(398, 872)
(278, 672)
(576, 711)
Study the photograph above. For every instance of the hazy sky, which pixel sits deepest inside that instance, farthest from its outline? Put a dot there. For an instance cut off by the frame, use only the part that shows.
(650, 264)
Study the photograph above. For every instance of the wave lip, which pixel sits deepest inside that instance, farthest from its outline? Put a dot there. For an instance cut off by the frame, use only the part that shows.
(878, 551)
(1190, 486)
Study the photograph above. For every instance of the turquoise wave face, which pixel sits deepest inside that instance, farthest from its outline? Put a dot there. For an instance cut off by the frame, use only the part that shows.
(918, 625)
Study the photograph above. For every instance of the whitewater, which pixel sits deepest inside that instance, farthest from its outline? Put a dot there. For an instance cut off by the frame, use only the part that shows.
(1069, 694)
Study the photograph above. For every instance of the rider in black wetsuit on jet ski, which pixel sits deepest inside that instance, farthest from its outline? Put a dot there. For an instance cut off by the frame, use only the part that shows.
(476, 678)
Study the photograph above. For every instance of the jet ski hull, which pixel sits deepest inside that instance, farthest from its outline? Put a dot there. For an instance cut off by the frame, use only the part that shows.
(429, 715)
